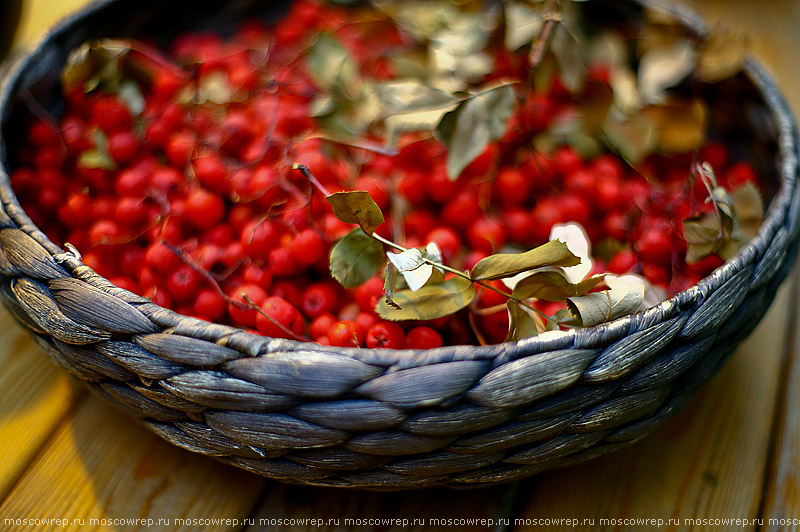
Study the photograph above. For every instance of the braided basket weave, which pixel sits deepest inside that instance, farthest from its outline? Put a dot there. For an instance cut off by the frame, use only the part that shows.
(384, 419)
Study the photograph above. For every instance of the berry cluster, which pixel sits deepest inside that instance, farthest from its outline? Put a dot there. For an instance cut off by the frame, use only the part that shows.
(188, 196)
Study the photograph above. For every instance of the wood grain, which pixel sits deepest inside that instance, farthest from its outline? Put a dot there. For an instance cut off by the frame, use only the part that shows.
(34, 396)
(782, 499)
(101, 465)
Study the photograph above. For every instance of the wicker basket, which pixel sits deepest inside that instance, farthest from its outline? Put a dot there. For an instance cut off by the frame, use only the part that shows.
(459, 416)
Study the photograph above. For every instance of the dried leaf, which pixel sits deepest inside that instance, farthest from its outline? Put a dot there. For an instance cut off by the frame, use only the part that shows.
(566, 45)
(332, 68)
(355, 258)
(474, 124)
(521, 323)
(429, 302)
(500, 265)
(721, 56)
(420, 18)
(749, 209)
(523, 25)
(356, 207)
(599, 307)
(633, 137)
(390, 285)
(653, 295)
(97, 157)
(704, 237)
(93, 63)
(412, 266)
(665, 67)
(410, 96)
(553, 286)
(681, 125)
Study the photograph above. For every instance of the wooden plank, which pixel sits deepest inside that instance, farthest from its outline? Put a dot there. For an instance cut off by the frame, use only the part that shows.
(102, 465)
(34, 395)
(292, 507)
(708, 462)
(782, 486)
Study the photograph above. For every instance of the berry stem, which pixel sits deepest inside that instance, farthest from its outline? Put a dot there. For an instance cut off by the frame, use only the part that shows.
(551, 17)
(311, 178)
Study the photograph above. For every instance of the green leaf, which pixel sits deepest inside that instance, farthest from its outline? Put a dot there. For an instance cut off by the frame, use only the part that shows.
(429, 302)
(356, 207)
(523, 25)
(474, 124)
(552, 286)
(355, 259)
(553, 253)
(521, 323)
(97, 157)
(332, 68)
(599, 307)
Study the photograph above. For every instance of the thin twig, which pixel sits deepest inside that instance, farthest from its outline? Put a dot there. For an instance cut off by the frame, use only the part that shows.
(540, 46)
(313, 180)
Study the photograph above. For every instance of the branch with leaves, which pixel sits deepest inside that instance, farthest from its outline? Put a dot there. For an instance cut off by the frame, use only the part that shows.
(419, 286)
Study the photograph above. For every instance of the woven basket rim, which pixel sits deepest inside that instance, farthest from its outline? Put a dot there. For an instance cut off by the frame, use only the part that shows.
(786, 167)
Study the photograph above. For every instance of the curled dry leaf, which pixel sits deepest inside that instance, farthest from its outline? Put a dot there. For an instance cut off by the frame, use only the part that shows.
(553, 286)
(356, 207)
(600, 307)
(355, 258)
(501, 265)
(429, 302)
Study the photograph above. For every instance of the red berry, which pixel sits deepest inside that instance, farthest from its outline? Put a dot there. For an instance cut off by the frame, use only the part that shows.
(447, 240)
(210, 305)
(204, 209)
(183, 284)
(486, 235)
(307, 247)
(345, 333)
(281, 261)
(122, 146)
(368, 294)
(161, 258)
(423, 338)
(321, 325)
(210, 172)
(386, 335)
(283, 314)
(319, 298)
(622, 262)
(259, 238)
(513, 187)
(241, 313)
(655, 246)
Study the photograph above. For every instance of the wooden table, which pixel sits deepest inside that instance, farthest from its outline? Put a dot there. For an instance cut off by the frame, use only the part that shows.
(734, 452)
